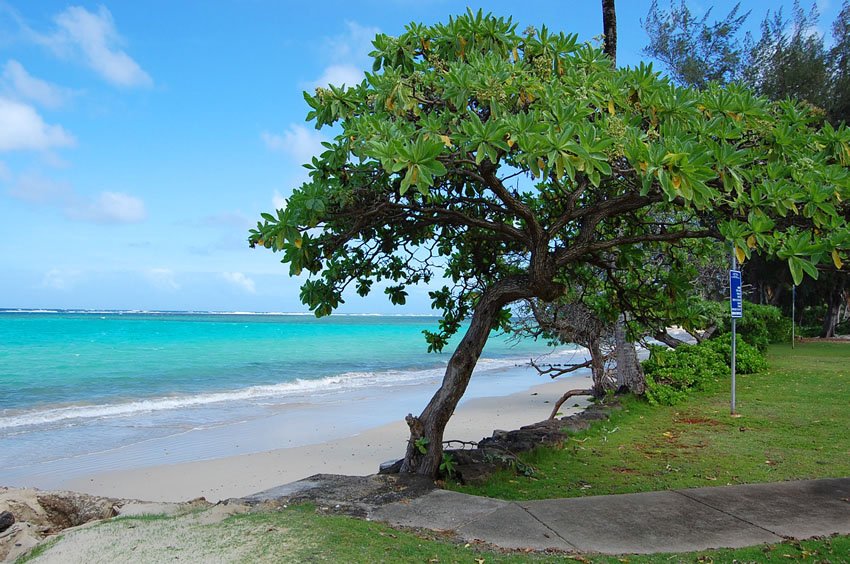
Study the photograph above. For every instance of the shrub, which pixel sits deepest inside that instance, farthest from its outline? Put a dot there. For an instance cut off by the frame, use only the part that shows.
(672, 373)
(761, 325)
(748, 359)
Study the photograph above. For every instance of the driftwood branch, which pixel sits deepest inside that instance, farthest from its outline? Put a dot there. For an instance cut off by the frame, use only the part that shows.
(565, 397)
(553, 371)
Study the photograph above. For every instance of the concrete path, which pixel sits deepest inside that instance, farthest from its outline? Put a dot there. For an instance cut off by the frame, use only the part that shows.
(670, 521)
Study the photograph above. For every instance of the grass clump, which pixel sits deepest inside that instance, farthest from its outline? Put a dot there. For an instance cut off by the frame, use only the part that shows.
(38, 550)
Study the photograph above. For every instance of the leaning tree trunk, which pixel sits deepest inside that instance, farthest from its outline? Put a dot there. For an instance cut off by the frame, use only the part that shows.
(629, 372)
(664, 337)
(426, 431)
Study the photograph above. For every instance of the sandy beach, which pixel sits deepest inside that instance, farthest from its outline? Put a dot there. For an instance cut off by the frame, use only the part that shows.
(359, 454)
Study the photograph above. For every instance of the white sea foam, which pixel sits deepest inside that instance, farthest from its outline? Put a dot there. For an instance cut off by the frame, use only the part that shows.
(158, 312)
(314, 388)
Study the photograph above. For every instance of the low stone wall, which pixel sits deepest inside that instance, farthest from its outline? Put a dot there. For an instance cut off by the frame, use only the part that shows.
(473, 465)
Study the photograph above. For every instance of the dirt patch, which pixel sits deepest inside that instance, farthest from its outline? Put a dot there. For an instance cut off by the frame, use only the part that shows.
(623, 470)
(698, 421)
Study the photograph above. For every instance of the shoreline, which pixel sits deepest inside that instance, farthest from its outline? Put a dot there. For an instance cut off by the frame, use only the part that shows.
(359, 454)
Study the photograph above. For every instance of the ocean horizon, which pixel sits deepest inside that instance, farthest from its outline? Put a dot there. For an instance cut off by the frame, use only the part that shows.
(95, 390)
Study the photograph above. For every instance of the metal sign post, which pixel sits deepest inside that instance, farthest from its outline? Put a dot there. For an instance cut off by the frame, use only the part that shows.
(736, 305)
(793, 312)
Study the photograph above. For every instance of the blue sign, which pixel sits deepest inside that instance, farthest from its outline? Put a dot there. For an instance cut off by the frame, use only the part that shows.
(736, 295)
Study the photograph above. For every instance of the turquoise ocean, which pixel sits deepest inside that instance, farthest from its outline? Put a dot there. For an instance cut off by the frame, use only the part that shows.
(81, 392)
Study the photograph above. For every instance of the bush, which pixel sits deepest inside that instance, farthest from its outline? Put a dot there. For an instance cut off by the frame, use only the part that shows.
(748, 359)
(671, 374)
(761, 326)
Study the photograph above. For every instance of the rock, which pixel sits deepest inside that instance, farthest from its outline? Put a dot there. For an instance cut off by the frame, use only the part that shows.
(354, 495)
(72, 509)
(593, 415)
(500, 449)
(6, 520)
(17, 540)
(390, 467)
(477, 474)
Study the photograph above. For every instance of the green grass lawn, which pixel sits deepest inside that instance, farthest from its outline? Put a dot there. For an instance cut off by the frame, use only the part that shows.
(792, 424)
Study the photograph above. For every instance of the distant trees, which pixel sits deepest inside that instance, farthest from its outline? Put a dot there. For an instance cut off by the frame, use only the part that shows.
(789, 60)
(695, 50)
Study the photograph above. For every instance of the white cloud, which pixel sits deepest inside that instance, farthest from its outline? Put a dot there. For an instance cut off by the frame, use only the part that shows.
(94, 38)
(298, 142)
(106, 207)
(36, 189)
(162, 279)
(278, 201)
(53, 160)
(60, 279)
(21, 128)
(353, 45)
(240, 281)
(349, 56)
(339, 75)
(23, 85)
(109, 207)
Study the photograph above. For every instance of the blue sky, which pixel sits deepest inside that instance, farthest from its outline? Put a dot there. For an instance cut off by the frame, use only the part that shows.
(139, 141)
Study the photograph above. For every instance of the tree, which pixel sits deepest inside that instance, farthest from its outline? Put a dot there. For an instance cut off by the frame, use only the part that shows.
(518, 166)
(839, 68)
(696, 51)
(789, 60)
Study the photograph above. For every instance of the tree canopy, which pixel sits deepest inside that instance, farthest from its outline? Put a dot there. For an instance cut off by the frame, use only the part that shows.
(516, 165)
(789, 60)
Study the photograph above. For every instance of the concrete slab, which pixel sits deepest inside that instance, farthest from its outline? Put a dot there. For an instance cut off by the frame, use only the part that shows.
(513, 527)
(285, 490)
(792, 509)
(439, 510)
(645, 523)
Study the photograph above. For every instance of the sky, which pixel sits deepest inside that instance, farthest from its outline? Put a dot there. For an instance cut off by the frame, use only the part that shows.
(139, 141)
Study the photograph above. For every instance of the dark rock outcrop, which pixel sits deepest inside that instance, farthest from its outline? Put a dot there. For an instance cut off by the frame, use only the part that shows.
(6, 520)
(501, 449)
(70, 509)
(351, 495)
